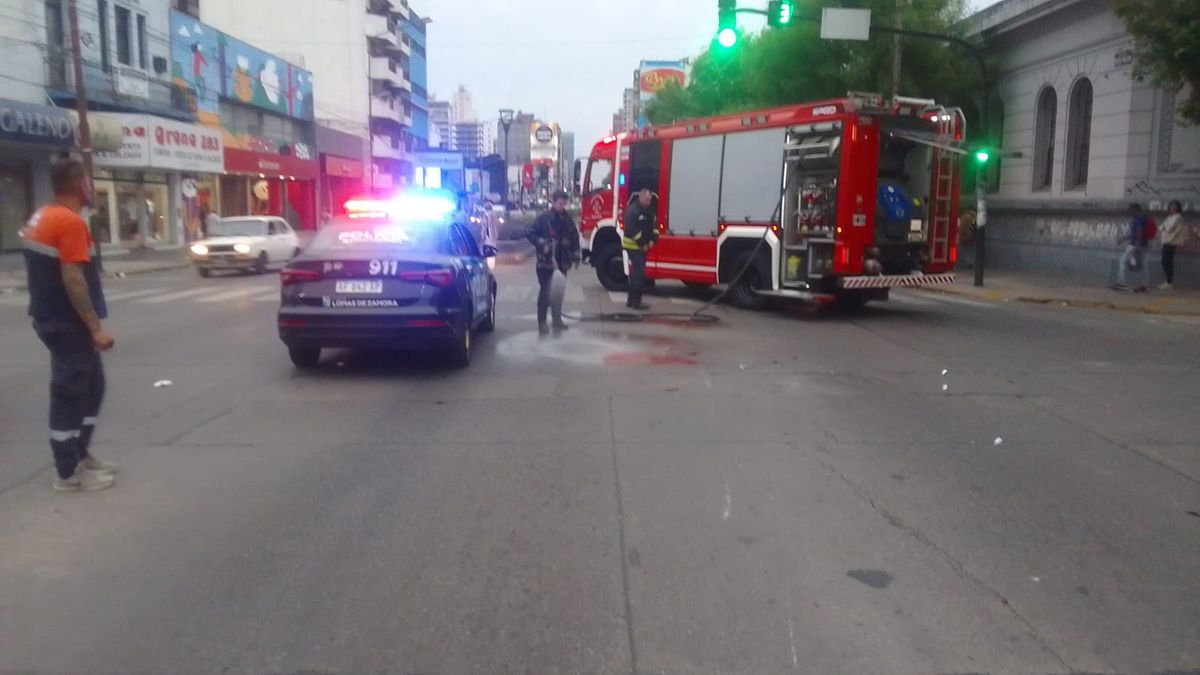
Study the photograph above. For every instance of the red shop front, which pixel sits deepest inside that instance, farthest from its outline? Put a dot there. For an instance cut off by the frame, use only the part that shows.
(262, 184)
(341, 179)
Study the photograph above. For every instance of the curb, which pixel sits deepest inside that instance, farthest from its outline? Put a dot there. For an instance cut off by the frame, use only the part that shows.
(1153, 308)
(21, 287)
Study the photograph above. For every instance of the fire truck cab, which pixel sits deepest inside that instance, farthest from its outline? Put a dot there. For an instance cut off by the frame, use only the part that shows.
(836, 200)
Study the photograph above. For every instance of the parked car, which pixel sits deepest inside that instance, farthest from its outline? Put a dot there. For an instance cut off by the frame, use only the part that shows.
(245, 243)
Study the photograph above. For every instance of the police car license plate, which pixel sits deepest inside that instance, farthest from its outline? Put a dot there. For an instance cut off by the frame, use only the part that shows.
(359, 287)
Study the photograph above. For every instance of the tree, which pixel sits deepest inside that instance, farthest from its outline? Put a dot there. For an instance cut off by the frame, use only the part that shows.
(1167, 47)
(793, 64)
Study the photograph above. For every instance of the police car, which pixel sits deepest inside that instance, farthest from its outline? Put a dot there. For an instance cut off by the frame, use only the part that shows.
(395, 273)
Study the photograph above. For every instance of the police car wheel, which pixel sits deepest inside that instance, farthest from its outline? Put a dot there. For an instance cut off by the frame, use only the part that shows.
(460, 352)
(305, 358)
(610, 268)
(489, 321)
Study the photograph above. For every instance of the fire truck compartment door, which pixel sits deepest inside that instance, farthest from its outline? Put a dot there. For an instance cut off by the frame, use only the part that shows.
(753, 174)
(695, 183)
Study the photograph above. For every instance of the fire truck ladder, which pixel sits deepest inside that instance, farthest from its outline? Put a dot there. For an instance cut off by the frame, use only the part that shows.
(945, 167)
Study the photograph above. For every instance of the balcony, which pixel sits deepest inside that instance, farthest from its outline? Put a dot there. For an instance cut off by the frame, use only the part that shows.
(385, 108)
(381, 146)
(381, 28)
(399, 7)
(384, 69)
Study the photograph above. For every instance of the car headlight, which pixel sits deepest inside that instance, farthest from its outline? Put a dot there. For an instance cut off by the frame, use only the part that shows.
(242, 248)
(199, 249)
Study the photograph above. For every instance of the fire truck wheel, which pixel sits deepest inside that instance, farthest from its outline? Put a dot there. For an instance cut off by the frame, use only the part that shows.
(610, 268)
(741, 293)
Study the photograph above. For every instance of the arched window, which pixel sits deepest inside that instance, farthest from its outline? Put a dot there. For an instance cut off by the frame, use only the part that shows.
(1079, 133)
(1043, 139)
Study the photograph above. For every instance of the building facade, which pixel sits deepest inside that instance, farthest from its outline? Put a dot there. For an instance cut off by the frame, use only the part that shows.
(363, 77)
(1091, 139)
(418, 61)
(441, 124)
(150, 154)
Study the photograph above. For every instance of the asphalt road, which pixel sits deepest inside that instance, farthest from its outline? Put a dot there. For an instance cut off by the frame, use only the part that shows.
(932, 486)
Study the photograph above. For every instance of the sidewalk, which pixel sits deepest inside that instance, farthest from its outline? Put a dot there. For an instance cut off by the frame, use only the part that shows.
(116, 263)
(1005, 286)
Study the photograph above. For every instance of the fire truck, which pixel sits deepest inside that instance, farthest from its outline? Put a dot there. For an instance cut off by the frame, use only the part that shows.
(832, 201)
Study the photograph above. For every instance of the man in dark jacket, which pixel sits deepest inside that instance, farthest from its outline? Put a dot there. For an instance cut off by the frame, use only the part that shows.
(556, 241)
(641, 232)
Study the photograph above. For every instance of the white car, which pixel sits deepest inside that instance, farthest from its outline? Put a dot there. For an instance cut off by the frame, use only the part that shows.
(245, 243)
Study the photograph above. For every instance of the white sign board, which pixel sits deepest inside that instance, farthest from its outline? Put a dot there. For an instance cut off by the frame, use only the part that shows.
(157, 143)
(131, 81)
(446, 161)
(845, 24)
(185, 147)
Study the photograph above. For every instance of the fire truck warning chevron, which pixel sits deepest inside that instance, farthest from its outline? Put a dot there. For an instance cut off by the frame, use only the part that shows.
(852, 196)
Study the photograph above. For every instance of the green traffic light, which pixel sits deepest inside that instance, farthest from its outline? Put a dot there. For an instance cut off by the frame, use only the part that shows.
(982, 156)
(785, 13)
(727, 37)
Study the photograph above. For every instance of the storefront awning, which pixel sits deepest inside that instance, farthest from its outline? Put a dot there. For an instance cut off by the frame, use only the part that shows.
(36, 124)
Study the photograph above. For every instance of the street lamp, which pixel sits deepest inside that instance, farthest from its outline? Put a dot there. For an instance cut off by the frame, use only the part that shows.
(506, 120)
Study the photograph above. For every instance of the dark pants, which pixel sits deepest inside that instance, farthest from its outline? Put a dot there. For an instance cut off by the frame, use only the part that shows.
(76, 392)
(543, 303)
(637, 277)
(1168, 262)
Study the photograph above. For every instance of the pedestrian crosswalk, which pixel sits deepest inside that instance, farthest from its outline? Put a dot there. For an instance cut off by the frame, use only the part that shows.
(212, 295)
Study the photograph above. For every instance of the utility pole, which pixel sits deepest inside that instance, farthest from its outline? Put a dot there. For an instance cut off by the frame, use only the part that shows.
(81, 109)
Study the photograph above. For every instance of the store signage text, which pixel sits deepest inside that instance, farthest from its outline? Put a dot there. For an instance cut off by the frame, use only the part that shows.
(153, 142)
(36, 124)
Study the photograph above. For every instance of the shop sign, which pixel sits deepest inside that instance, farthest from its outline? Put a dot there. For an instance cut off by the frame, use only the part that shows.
(342, 168)
(40, 124)
(185, 147)
(132, 82)
(134, 152)
(249, 162)
(446, 161)
(158, 143)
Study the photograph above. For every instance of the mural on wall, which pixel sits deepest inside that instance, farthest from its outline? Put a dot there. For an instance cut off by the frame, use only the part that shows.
(196, 66)
(257, 78)
(302, 92)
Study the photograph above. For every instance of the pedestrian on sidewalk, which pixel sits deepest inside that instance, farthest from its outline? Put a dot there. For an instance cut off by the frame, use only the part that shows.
(67, 304)
(641, 232)
(1134, 257)
(1173, 236)
(489, 231)
(556, 241)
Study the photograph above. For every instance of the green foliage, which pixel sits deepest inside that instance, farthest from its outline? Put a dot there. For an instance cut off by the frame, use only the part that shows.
(1166, 36)
(792, 64)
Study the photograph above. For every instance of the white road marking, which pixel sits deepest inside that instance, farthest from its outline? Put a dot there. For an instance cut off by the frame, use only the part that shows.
(231, 295)
(177, 295)
(792, 639)
(728, 503)
(129, 295)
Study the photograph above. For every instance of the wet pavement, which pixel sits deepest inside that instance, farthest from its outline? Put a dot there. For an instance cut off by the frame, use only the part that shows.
(937, 484)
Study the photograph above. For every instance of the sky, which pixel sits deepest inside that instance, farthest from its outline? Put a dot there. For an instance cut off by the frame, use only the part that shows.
(566, 61)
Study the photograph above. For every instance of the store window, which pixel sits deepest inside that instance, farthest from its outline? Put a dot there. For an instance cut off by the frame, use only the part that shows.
(15, 203)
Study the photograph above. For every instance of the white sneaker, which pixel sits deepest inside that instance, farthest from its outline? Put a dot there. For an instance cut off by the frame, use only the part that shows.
(84, 481)
(1165, 286)
(100, 466)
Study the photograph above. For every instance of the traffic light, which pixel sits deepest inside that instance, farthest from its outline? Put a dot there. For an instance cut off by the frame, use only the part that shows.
(780, 12)
(727, 35)
(982, 155)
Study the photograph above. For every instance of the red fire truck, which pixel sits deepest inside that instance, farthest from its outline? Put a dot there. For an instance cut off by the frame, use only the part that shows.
(836, 200)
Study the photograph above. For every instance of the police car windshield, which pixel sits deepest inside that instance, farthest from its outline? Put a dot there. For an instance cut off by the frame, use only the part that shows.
(361, 234)
(237, 228)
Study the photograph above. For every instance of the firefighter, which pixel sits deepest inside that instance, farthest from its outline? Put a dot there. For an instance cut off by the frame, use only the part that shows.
(641, 232)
